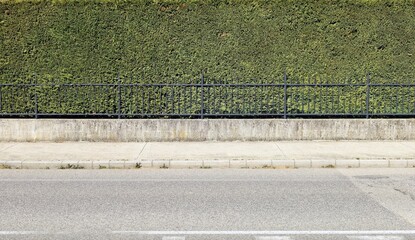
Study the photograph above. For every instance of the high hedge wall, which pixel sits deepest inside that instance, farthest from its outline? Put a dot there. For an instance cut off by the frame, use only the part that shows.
(159, 39)
(70, 41)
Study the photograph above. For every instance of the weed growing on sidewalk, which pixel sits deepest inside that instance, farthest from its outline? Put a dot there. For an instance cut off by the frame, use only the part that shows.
(164, 166)
(71, 166)
(138, 165)
(5, 166)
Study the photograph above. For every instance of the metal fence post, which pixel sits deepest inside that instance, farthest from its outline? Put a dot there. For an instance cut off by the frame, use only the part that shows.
(367, 94)
(119, 96)
(36, 102)
(36, 107)
(1, 106)
(285, 94)
(202, 100)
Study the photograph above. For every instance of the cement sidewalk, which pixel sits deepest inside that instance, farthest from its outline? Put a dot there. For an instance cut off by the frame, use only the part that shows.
(283, 154)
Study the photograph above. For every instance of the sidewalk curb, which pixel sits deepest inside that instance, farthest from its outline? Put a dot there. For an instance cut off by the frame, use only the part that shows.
(182, 164)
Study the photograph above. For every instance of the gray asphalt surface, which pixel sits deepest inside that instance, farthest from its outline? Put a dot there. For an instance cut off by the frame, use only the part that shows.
(208, 204)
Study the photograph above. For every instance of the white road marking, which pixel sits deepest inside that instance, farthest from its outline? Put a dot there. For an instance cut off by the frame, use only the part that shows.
(376, 232)
(22, 233)
(155, 180)
(272, 238)
(376, 237)
(358, 235)
(174, 238)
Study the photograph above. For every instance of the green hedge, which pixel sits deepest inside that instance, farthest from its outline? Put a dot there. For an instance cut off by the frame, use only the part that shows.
(174, 40)
(247, 39)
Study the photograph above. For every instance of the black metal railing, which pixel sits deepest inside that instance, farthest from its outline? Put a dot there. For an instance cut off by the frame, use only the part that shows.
(209, 99)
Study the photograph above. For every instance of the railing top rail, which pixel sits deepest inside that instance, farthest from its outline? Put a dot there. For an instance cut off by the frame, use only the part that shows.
(208, 85)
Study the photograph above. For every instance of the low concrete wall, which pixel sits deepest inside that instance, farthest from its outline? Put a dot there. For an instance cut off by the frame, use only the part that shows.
(140, 130)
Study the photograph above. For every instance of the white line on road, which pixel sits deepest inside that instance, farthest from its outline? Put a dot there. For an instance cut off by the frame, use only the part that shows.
(364, 234)
(173, 238)
(376, 237)
(272, 238)
(22, 233)
(163, 180)
(376, 232)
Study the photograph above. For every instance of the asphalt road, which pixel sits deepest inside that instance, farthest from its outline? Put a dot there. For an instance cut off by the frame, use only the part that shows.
(208, 204)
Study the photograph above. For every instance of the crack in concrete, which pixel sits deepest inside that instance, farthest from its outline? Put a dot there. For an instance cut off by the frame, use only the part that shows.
(405, 193)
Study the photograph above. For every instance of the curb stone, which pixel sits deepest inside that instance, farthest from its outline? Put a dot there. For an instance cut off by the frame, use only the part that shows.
(182, 164)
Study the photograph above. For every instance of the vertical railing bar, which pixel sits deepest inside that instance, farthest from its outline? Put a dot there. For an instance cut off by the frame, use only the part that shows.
(324, 96)
(191, 100)
(338, 99)
(397, 100)
(285, 94)
(186, 100)
(212, 106)
(261, 99)
(148, 101)
(232, 99)
(202, 95)
(178, 99)
(82, 93)
(218, 100)
(228, 99)
(367, 94)
(245, 104)
(208, 102)
(1, 105)
(65, 94)
(60, 96)
(160, 97)
(332, 98)
(142, 99)
(132, 99)
(357, 102)
(36, 103)
(248, 107)
(166, 97)
(303, 90)
(235, 98)
(119, 95)
(268, 100)
(11, 96)
(314, 95)
(240, 103)
(278, 101)
(320, 99)
(93, 92)
(308, 94)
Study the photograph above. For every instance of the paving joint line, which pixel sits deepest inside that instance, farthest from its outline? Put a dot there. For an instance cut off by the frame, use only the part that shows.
(283, 153)
(406, 146)
(139, 154)
(8, 147)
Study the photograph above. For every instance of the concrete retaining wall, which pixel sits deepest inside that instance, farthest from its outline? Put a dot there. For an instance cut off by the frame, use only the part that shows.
(139, 130)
